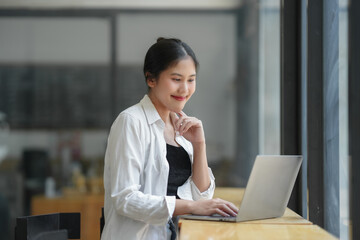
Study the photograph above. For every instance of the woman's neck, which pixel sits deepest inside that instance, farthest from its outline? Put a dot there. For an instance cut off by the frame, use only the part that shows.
(163, 112)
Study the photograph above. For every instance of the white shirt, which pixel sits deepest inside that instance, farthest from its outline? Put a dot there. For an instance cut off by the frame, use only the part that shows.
(136, 175)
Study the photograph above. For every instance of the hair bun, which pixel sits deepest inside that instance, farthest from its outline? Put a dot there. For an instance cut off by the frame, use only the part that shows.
(168, 40)
(160, 39)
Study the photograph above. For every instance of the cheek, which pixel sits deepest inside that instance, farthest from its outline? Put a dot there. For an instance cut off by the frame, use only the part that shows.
(192, 88)
(171, 85)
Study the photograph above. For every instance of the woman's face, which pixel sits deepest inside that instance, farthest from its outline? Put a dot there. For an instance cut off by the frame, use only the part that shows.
(174, 86)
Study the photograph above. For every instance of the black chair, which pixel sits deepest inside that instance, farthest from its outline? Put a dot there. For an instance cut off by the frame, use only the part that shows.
(57, 226)
(102, 221)
(4, 217)
(53, 235)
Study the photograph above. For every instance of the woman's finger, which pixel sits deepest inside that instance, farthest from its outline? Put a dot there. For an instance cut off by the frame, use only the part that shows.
(233, 207)
(180, 123)
(174, 118)
(226, 206)
(222, 213)
(181, 113)
(185, 125)
(228, 210)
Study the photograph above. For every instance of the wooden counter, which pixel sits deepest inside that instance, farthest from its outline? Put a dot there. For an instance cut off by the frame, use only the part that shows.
(290, 226)
(195, 230)
(89, 206)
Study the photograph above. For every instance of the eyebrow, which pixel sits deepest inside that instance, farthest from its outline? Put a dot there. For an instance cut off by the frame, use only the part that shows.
(178, 74)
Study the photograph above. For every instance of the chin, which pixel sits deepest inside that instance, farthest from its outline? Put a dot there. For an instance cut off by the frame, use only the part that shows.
(177, 110)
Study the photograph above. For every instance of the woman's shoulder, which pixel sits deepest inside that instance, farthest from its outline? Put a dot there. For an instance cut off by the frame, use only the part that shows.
(132, 114)
(137, 115)
(134, 111)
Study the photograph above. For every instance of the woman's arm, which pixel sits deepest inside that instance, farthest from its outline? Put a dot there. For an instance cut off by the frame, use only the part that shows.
(205, 207)
(200, 174)
(124, 166)
(192, 130)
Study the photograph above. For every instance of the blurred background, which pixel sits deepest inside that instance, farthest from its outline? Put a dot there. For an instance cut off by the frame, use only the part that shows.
(68, 68)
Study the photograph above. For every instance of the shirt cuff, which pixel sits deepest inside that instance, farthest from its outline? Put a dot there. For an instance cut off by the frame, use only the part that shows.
(170, 203)
(208, 193)
(189, 190)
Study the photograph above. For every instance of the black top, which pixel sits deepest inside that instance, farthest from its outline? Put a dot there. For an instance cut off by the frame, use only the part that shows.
(180, 168)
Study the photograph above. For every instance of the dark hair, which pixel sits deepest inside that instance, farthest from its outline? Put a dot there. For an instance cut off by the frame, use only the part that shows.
(164, 53)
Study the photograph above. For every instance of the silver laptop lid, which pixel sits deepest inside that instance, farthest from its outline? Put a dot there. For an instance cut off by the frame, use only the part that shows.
(269, 187)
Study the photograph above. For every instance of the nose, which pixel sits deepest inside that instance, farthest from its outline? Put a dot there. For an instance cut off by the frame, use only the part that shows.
(183, 87)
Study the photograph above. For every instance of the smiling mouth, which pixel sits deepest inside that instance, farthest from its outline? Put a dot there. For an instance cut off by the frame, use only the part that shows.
(179, 98)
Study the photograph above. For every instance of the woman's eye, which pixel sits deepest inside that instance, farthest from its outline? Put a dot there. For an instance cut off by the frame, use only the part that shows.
(177, 79)
(191, 80)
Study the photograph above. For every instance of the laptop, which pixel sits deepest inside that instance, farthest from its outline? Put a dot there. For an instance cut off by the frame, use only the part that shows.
(267, 192)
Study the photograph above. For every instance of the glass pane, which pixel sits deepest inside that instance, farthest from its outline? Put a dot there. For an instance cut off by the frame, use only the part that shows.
(343, 120)
(269, 77)
(54, 103)
(50, 70)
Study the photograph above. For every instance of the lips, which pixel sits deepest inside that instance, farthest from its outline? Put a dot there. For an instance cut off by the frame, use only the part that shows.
(179, 98)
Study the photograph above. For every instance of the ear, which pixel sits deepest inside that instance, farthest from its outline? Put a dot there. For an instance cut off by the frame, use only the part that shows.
(150, 80)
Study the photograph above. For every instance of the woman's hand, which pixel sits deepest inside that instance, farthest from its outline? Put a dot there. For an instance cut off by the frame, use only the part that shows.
(189, 127)
(192, 130)
(214, 206)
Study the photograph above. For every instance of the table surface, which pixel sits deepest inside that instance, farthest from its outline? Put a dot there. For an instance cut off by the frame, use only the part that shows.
(191, 229)
(290, 226)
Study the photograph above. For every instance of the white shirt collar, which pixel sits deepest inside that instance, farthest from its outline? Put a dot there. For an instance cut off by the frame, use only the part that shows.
(151, 113)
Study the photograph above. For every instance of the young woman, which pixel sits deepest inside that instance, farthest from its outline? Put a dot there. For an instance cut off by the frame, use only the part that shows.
(155, 163)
